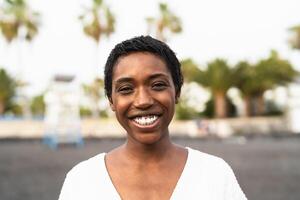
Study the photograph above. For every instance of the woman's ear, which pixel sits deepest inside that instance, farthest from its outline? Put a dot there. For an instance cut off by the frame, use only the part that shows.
(111, 104)
(177, 95)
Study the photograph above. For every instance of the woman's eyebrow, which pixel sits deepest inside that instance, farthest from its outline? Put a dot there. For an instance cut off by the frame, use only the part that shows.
(130, 79)
(158, 75)
(123, 79)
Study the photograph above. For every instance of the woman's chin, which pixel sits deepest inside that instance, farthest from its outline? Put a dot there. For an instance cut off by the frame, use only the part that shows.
(148, 138)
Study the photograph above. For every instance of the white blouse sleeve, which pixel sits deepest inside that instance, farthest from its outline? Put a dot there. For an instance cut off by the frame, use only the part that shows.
(65, 193)
(232, 188)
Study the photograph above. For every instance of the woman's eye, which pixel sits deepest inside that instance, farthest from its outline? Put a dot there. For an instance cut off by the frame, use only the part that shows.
(125, 90)
(159, 86)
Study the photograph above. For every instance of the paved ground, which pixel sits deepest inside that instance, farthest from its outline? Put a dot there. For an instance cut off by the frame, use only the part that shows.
(267, 168)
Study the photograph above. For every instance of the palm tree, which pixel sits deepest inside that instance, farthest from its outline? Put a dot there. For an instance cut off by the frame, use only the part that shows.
(270, 73)
(254, 80)
(166, 22)
(18, 21)
(217, 77)
(98, 21)
(245, 80)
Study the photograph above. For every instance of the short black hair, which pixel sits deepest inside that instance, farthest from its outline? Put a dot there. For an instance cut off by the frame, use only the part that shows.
(143, 44)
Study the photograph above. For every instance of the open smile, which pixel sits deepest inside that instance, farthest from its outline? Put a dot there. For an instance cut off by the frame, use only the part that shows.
(146, 121)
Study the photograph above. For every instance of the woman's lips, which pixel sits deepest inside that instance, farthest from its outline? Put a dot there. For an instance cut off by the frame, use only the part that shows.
(146, 122)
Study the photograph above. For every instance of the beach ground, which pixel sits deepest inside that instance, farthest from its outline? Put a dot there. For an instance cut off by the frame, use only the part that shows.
(267, 168)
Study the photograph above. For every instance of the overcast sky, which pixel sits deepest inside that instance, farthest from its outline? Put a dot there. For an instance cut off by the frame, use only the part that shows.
(231, 29)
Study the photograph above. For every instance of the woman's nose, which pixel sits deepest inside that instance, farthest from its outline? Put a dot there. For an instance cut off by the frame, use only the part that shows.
(143, 99)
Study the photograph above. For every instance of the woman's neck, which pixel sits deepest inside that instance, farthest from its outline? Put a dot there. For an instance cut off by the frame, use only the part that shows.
(148, 152)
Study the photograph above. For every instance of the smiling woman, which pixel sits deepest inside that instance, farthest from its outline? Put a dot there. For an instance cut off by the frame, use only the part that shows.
(143, 102)
(143, 82)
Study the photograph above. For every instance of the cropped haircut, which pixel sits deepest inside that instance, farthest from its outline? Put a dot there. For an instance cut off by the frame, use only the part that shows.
(143, 44)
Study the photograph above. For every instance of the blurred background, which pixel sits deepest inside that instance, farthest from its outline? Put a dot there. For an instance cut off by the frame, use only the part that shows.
(240, 99)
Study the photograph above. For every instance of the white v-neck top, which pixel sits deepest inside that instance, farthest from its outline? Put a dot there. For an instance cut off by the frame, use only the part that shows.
(204, 177)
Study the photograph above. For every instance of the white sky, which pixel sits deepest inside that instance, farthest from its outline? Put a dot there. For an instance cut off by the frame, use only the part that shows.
(230, 29)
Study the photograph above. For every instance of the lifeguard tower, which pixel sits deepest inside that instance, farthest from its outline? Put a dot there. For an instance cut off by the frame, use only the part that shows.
(62, 117)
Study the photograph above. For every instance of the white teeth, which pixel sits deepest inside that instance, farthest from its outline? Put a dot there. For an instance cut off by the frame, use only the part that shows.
(146, 120)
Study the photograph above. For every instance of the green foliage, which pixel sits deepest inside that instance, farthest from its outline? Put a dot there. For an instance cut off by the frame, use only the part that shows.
(251, 79)
(85, 112)
(167, 21)
(7, 91)
(272, 109)
(185, 112)
(38, 105)
(273, 71)
(218, 76)
(244, 77)
(98, 2)
(254, 80)
(209, 110)
(17, 15)
(98, 21)
(15, 109)
(266, 74)
(190, 70)
(103, 114)
(95, 91)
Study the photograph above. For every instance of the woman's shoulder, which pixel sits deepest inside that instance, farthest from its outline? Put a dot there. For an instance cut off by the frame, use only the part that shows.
(211, 167)
(216, 173)
(89, 166)
(207, 161)
(87, 180)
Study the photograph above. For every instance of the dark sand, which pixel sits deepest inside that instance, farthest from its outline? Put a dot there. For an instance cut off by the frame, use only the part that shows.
(266, 168)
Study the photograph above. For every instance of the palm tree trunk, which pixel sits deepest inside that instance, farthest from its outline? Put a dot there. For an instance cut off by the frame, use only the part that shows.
(260, 104)
(96, 62)
(21, 69)
(1, 108)
(247, 103)
(159, 32)
(220, 105)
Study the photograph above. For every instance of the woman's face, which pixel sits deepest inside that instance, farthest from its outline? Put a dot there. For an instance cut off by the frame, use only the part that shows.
(143, 97)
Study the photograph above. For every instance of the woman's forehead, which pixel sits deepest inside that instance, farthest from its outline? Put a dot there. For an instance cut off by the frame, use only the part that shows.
(143, 62)
(138, 55)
